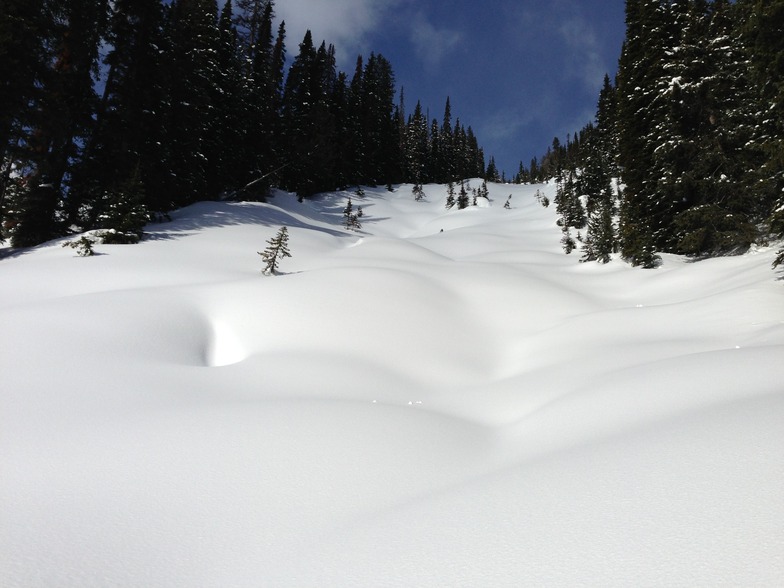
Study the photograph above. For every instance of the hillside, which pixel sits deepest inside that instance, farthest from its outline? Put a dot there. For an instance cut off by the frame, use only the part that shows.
(441, 398)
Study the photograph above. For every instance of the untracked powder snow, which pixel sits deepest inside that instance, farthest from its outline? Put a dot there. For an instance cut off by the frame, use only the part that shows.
(438, 398)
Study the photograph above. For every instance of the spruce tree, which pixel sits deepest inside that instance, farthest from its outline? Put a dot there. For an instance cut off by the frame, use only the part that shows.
(599, 241)
(63, 118)
(491, 174)
(24, 30)
(643, 60)
(276, 251)
(128, 140)
(450, 195)
(193, 84)
(416, 146)
(462, 198)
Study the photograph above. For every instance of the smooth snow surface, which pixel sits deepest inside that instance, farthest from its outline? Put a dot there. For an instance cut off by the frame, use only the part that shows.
(442, 398)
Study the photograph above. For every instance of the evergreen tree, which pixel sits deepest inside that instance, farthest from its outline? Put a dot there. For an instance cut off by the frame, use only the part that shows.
(378, 122)
(450, 195)
(228, 163)
(446, 163)
(567, 241)
(298, 117)
(599, 241)
(277, 250)
(127, 141)
(262, 92)
(350, 218)
(62, 121)
(193, 83)
(123, 211)
(24, 62)
(643, 61)
(462, 198)
(759, 24)
(416, 146)
(491, 175)
(568, 204)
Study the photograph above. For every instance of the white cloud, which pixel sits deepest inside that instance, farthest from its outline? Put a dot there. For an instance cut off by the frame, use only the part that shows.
(432, 44)
(505, 124)
(585, 58)
(343, 23)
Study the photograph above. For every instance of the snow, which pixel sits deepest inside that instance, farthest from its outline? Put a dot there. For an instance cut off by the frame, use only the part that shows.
(442, 398)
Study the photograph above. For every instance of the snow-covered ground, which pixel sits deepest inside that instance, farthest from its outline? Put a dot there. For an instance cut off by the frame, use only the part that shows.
(442, 398)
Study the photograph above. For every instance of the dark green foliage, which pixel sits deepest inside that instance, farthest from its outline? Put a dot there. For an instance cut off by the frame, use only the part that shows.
(193, 84)
(33, 216)
(83, 246)
(567, 241)
(351, 218)
(47, 135)
(462, 197)
(600, 240)
(127, 142)
(491, 174)
(568, 204)
(24, 62)
(450, 195)
(124, 211)
(711, 228)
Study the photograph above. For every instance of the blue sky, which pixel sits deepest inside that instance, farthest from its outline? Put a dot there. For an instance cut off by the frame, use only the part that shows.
(518, 71)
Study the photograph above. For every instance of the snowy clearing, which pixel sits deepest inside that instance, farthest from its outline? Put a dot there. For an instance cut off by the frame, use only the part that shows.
(441, 398)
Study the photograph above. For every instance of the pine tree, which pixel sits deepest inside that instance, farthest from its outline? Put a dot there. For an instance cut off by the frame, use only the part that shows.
(63, 118)
(416, 146)
(378, 122)
(567, 241)
(491, 175)
(123, 211)
(484, 192)
(568, 204)
(193, 76)
(350, 218)
(759, 25)
(227, 162)
(450, 195)
(446, 165)
(23, 65)
(277, 250)
(127, 141)
(599, 242)
(462, 198)
(642, 63)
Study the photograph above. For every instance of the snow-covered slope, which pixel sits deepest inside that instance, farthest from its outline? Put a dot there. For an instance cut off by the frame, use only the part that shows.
(442, 398)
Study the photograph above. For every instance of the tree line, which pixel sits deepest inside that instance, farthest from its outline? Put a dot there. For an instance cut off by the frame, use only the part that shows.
(693, 128)
(114, 111)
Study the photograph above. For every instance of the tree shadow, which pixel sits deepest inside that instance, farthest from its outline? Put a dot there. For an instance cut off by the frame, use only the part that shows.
(206, 215)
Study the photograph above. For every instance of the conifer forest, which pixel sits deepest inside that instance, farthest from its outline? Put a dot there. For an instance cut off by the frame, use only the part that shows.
(116, 112)
(190, 104)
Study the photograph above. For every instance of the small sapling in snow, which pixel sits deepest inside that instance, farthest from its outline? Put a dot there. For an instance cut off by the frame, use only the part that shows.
(277, 249)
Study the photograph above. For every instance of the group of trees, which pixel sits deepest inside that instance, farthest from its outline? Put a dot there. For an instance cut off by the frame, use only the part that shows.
(113, 110)
(694, 130)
